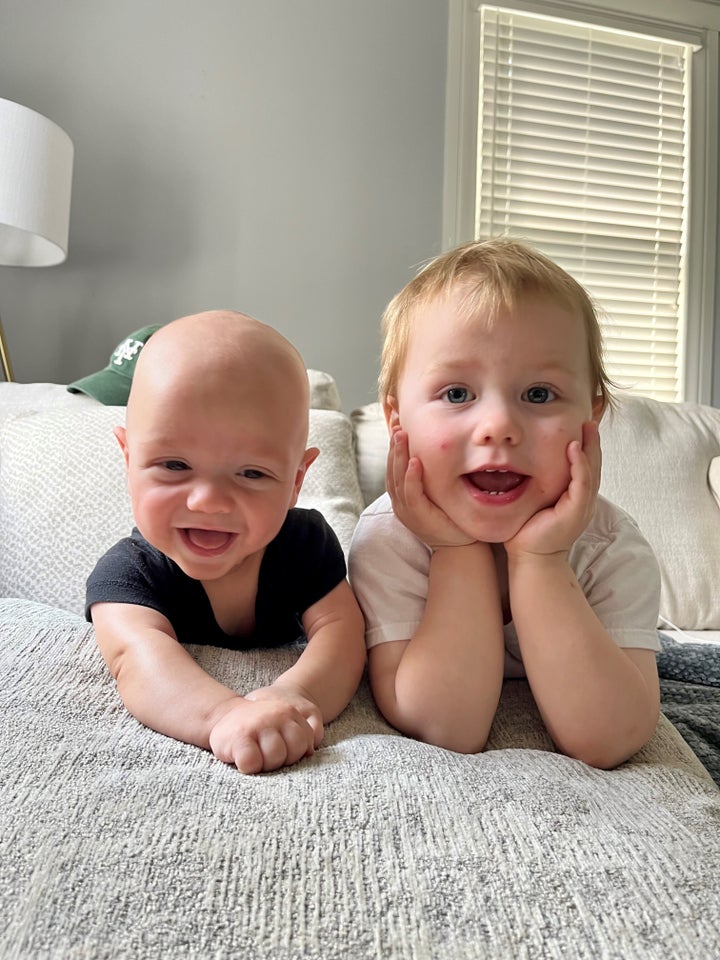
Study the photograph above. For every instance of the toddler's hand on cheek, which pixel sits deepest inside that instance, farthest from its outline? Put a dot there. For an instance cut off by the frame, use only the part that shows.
(412, 506)
(556, 528)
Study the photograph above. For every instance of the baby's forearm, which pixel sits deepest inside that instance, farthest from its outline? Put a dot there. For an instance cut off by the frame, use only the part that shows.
(446, 686)
(164, 688)
(597, 705)
(329, 669)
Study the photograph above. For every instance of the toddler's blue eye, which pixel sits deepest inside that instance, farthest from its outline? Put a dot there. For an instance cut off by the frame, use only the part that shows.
(175, 465)
(253, 474)
(458, 395)
(539, 395)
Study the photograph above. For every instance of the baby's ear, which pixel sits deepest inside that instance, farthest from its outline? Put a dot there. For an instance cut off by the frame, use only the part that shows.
(309, 457)
(121, 436)
(392, 413)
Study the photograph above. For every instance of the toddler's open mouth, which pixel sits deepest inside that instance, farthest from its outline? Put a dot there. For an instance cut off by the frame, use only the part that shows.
(495, 482)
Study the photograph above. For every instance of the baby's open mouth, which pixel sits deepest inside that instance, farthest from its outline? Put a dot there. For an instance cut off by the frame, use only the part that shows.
(495, 481)
(208, 539)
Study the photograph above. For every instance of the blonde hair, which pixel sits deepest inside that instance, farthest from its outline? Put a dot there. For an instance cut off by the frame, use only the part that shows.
(492, 274)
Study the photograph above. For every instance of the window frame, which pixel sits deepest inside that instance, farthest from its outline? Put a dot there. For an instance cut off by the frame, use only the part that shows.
(694, 21)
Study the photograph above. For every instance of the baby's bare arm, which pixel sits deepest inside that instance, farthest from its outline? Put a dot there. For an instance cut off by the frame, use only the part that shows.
(328, 671)
(164, 688)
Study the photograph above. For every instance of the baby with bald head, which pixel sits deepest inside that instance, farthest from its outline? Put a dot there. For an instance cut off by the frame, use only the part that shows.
(215, 447)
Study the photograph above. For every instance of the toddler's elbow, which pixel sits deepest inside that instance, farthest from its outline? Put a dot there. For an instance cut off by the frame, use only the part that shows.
(419, 714)
(447, 736)
(606, 753)
(596, 756)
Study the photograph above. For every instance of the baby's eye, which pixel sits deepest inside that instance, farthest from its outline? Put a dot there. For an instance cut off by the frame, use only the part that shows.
(458, 395)
(251, 474)
(175, 465)
(539, 395)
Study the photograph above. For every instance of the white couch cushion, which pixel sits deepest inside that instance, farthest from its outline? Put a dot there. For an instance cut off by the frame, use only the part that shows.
(18, 397)
(63, 499)
(331, 484)
(371, 449)
(324, 393)
(656, 463)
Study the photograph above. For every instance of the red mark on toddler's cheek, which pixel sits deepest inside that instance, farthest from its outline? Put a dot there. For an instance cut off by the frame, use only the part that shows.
(444, 444)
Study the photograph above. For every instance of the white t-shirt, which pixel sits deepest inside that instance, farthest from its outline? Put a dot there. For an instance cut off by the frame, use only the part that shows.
(613, 563)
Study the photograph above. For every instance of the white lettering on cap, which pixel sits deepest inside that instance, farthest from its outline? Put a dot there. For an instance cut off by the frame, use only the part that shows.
(126, 351)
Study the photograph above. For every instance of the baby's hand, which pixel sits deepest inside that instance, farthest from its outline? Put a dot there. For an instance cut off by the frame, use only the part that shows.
(293, 696)
(556, 528)
(260, 733)
(411, 504)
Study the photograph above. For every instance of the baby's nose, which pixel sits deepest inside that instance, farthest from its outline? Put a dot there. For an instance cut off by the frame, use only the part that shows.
(208, 496)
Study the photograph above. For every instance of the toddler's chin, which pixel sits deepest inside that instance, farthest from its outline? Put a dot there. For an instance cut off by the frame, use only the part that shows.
(495, 533)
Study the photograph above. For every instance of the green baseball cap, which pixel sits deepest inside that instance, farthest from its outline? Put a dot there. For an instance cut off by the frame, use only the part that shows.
(112, 384)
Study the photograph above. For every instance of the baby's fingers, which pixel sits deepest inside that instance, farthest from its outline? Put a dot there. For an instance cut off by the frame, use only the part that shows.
(274, 748)
(261, 735)
(286, 745)
(247, 756)
(315, 723)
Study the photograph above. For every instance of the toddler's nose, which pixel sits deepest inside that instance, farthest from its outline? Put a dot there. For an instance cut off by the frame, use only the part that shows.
(496, 424)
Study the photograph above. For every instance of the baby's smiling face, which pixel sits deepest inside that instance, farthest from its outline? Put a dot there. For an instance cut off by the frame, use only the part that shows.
(215, 443)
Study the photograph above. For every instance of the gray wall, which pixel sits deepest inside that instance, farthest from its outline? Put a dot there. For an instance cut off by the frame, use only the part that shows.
(281, 157)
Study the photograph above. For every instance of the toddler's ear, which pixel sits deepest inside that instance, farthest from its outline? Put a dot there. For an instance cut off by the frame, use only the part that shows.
(598, 408)
(121, 436)
(392, 414)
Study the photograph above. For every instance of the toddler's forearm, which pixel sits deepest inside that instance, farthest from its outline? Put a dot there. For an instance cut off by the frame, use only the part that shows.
(597, 704)
(446, 685)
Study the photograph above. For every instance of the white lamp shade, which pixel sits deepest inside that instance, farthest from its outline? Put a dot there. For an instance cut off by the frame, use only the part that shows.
(36, 159)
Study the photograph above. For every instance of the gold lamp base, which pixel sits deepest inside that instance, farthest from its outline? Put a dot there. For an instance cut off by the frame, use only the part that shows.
(5, 357)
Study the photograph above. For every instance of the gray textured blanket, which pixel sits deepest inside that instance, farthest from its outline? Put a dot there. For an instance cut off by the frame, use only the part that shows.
(118, 843)
(690, 696)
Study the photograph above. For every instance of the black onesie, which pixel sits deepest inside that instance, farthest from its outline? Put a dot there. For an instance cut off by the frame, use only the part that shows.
(300, 566)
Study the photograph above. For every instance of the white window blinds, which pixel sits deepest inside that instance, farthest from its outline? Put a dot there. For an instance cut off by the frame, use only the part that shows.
(583, 152)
